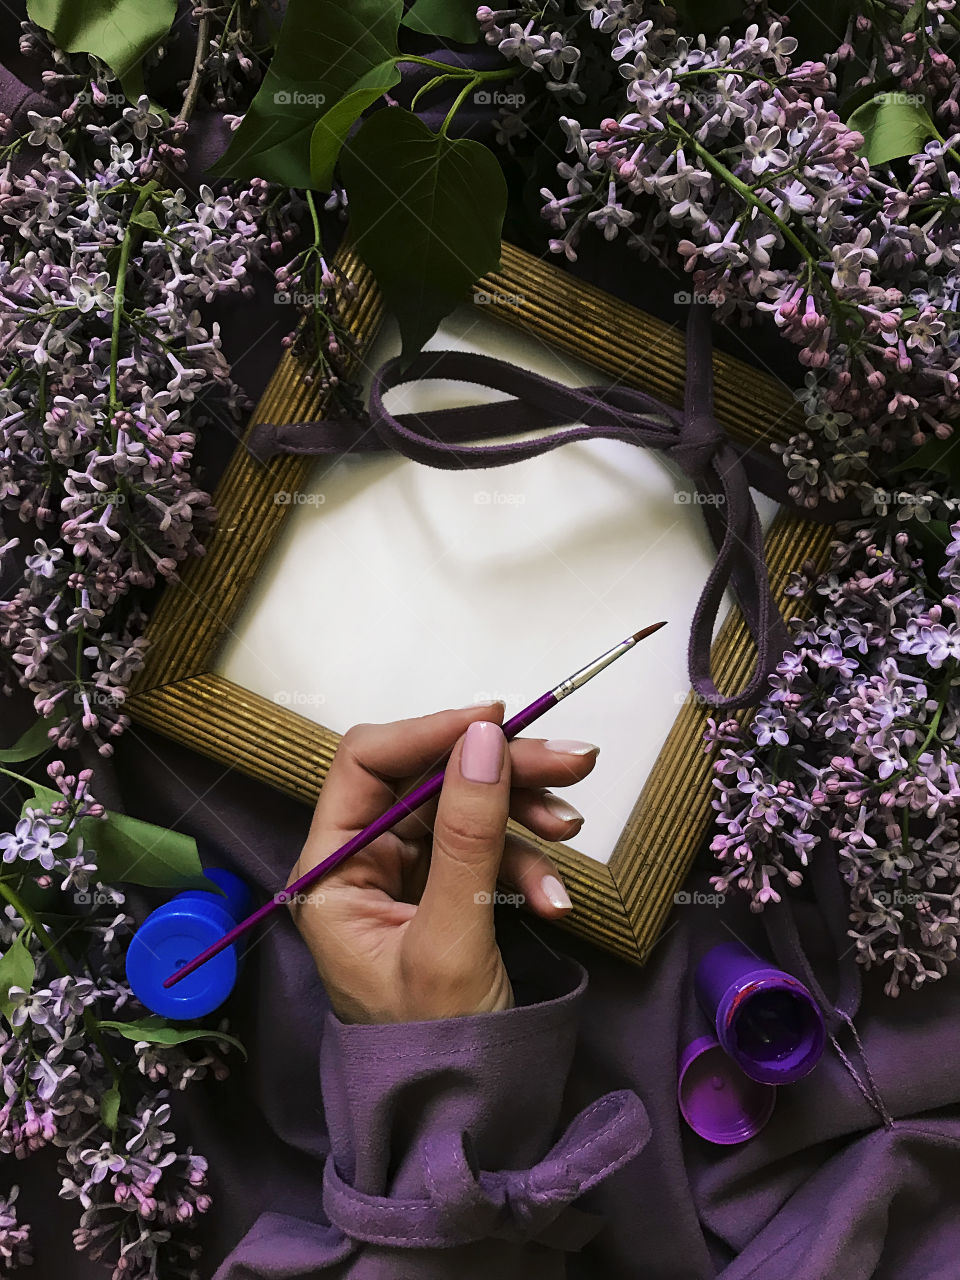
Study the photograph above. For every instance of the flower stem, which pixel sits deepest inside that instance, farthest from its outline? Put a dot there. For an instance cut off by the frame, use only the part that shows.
(193, 87)
(457, 103)
(747, 192)
(36, 924)
(146, 194)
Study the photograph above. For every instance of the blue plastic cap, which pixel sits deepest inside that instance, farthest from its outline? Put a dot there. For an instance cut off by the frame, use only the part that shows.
(167, 939)
(239, 897)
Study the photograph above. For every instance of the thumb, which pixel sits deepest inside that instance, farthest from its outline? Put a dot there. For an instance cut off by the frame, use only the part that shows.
(468, 838)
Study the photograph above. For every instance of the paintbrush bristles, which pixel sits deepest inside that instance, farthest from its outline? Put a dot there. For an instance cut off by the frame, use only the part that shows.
(648, 631)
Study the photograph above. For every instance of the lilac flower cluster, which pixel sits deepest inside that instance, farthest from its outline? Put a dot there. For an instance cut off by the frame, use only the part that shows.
(15, 1245)
(109, 369)
(728, 158)
(94, 449)
(853, 754)
(137, 1191)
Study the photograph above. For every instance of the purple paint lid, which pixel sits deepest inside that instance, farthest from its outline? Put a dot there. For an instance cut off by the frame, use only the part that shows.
(718, 1100)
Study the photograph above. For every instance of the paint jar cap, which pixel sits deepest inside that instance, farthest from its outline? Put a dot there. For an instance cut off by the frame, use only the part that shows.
(167, 939)
(718, 1100)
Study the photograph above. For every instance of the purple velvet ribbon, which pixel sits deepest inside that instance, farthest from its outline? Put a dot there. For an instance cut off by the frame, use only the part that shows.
(691, 437)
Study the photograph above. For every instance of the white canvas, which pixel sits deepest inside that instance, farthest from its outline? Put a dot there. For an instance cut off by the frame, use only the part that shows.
(398, 589)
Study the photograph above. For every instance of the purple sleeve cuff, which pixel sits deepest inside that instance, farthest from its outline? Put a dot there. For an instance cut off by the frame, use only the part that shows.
(443, 1136)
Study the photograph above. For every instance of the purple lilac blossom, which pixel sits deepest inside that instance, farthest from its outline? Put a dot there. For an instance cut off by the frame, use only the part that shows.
(854, 755)
(727, 159)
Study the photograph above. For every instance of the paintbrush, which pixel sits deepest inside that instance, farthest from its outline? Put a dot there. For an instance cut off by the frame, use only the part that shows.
(420, 795)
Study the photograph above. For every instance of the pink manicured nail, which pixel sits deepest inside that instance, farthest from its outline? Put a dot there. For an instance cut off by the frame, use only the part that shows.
(556, 894)
(482, 755)
(570, 746)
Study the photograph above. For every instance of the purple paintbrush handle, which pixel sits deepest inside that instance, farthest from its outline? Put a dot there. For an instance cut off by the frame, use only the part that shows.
(426, 791)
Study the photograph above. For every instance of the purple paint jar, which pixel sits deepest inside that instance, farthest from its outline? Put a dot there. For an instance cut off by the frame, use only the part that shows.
(718, 1100)
(766, 1020)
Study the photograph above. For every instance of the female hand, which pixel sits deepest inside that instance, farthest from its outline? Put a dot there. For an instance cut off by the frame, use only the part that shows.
(403, 931)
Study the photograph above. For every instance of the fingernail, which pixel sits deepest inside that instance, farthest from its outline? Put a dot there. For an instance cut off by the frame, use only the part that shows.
(559, 808)
(484, 702)
(557, 895)
(570, 746)
(482, 755)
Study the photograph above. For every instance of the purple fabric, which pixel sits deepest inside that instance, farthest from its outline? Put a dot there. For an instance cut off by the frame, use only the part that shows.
(827, 1190)
(691, 438)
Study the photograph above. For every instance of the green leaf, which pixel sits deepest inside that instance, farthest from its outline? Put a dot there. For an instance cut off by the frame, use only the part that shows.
(110, 1108)
(17, 969)
(128, 849)
(426, 213)
(330, 131)
(119, 32)
(324, 51)
(942, 456)
(915, 12)
(933, 538)
(857, 97)
(32, 743)
(450, 19)
(134, 851)
(148, 220)
(157, 1031)
(893, 125)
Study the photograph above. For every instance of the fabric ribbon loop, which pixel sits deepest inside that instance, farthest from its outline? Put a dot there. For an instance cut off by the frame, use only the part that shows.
(465, 1205)
(692, 439)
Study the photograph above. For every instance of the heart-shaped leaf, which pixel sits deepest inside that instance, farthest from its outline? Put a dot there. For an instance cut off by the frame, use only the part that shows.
(426, 213)
(942, 456)
(30, 744)
(449, 19)
(331, 129)
(324, 48)
(156, 1031)
(893, 125)
(17, 969)
(119, 32)
(128, 849)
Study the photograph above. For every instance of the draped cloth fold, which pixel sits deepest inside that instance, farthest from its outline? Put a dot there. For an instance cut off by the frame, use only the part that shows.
(721, 471)
(466, 1204)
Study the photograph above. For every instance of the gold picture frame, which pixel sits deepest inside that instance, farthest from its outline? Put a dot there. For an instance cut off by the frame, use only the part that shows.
(622, 904)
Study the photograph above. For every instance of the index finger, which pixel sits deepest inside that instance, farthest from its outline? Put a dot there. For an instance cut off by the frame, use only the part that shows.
(372, 761)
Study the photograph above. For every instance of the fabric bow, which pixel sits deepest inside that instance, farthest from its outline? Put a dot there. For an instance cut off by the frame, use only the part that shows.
(691, 438)
(515, 1204)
